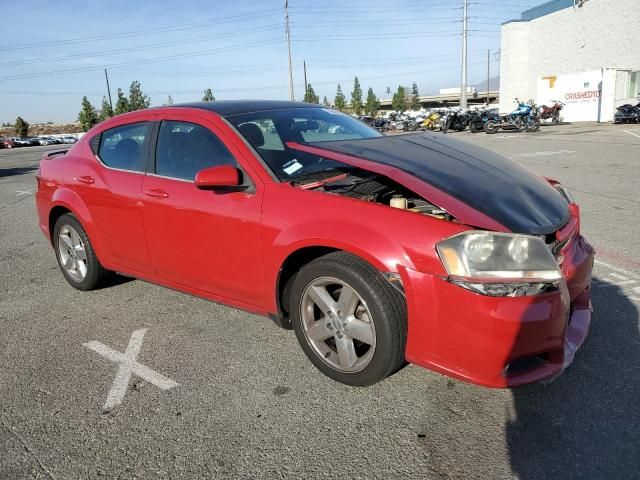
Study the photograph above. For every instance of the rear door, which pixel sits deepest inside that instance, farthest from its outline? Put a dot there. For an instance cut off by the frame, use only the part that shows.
(110, 187)
(204, 239)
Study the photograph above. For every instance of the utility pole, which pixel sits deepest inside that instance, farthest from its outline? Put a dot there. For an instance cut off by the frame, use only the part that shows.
(106, 76)
(488, 74)
(463, 86)
(286, 21)
(306, 85)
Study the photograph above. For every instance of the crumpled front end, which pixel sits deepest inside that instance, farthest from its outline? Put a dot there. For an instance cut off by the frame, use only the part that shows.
(501, 341)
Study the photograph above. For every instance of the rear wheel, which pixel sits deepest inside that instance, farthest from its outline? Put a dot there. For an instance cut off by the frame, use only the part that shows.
(473, 128)
(490, 127)
(349, 320)
(75, 255)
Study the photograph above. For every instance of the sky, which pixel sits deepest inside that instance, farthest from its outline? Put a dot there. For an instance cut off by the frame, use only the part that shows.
(53, 53)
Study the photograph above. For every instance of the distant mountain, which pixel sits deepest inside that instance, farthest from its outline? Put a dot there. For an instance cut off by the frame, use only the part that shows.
(482, 86)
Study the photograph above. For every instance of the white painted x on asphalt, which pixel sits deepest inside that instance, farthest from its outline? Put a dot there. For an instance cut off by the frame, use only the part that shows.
(128, 365)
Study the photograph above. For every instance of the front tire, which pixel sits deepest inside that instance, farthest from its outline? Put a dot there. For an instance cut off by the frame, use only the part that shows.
(349, 320)
(76, 257)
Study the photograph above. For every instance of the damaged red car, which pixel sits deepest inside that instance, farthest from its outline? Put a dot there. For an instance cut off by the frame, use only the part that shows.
(376, 250)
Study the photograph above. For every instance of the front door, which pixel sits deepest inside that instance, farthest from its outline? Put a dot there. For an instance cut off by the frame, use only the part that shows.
(205, 239)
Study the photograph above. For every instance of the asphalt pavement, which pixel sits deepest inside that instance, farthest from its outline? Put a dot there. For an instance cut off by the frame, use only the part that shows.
(248, 404)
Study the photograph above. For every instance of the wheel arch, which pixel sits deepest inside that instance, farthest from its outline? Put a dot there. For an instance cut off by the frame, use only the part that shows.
(298, 258)
(67, 201)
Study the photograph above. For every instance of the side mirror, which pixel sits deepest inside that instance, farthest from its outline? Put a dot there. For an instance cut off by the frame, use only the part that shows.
(221, 176)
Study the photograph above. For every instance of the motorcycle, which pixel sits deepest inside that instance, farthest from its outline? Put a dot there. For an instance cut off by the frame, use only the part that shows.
(627, 113)
(552, 112)
(478, 118)
(431, 122)
(381, 124)
(457, 120)
(522, 118)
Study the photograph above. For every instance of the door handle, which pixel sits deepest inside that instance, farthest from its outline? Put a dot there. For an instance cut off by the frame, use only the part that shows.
(156, 193)
(86, 179)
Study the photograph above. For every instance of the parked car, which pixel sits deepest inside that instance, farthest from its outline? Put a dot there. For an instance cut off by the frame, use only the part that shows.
(44, 140)
(9, 143)
(374, 249)
(69, 139)
(21, 142)
(30, 141)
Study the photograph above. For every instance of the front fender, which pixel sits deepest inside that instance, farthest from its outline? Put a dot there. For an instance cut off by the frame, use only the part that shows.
(368, 244)
(386, 237)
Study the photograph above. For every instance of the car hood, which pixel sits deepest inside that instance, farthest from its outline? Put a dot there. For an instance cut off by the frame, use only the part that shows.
(499, 188)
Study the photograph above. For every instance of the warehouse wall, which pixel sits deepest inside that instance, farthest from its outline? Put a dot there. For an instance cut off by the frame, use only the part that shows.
(600, 34)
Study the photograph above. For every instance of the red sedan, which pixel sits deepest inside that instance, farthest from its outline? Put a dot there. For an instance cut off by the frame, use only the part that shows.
(377, 250)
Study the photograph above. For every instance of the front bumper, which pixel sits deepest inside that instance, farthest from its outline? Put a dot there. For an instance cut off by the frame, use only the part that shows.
(499, 341)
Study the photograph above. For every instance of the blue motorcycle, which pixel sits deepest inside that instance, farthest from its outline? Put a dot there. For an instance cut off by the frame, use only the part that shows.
(525, 117)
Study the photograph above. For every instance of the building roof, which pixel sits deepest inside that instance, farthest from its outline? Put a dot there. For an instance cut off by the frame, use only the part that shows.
(544, 9)
(235, 107)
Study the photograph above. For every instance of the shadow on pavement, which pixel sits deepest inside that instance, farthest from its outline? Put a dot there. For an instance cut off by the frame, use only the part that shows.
(10, 172)
(586, 424)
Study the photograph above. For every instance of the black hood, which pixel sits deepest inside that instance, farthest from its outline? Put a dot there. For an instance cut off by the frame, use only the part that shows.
(501, 189)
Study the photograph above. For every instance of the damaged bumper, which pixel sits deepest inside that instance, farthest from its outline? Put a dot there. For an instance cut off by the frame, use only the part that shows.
(499, 341)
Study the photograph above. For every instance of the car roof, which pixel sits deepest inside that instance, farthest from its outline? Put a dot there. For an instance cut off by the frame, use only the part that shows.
(235, 107)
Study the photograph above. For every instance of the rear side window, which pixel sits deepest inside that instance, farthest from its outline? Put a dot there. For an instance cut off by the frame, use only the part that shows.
(186, 148)
(94, 143)
(124, 147)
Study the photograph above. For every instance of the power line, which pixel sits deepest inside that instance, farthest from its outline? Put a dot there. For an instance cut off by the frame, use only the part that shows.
(144, 61)
(135, 33)
(151, 46)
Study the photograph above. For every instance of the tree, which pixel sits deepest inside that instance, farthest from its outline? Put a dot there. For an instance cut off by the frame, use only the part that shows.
(310, 96)
(372, 105)
(339, 101)
(325, 102)
(22, 127)
(169, 100)
(208, 96)
(415, 97)
(356, 97)
(137, 99)
(88, 117)
(106, 111)
(399, 100)
(122, 104)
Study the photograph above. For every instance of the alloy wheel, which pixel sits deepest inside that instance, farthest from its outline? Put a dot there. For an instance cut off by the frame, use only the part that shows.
(73, 255)
(337, 324)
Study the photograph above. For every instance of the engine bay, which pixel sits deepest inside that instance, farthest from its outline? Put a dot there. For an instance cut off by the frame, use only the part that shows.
(371, 187)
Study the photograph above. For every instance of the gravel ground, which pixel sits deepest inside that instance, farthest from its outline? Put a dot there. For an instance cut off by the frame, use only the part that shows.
(250, 405)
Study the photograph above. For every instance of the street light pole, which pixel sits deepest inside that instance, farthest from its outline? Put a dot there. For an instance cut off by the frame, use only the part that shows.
(106, 76)
(488, 74)
(286, 20)
(463, 86)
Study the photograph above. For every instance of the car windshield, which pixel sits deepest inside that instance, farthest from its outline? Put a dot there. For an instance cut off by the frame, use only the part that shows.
(269, 131)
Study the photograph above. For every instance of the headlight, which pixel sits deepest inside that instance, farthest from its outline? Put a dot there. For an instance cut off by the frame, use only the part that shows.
(498, 256)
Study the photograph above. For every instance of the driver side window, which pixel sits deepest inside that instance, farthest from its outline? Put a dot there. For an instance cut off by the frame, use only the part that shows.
(185, 148)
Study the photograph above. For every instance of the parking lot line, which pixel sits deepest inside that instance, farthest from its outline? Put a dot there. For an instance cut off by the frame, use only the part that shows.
(631, 133)
(617, 269)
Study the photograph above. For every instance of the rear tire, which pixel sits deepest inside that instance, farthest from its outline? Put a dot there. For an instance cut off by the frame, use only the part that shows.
(490, 127)
(76, 257)
(350, 322)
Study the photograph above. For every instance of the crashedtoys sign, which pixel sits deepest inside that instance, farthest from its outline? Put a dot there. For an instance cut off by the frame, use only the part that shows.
(581, 93)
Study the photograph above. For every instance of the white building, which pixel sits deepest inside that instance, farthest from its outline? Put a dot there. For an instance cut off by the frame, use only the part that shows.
(585, 53)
